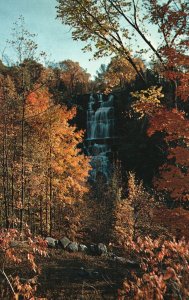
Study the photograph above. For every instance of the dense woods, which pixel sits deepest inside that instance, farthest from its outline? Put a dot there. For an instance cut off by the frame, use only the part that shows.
(141, 212)
(40, 160)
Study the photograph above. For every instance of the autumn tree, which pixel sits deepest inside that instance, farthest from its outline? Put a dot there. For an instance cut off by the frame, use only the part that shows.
(172, 21)
(173, 124)
(55, 171)
(8, 154)
(23, 76)
(41, 163)
(174, 174)
(133, 213)
(59, 169)
(119, 73)
(71, 79)
(99, 23)
(111, 26)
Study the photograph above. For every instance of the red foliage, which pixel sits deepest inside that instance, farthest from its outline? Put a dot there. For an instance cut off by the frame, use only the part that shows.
(15, 248)
(176, 221)
(174, 175)
(163, 271)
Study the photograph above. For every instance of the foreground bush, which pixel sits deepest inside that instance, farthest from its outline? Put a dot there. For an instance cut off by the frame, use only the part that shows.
(18, 248)
(162, 273)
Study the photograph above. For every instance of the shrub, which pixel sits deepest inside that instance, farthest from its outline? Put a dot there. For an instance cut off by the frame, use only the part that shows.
(17, 248)
(163, 271)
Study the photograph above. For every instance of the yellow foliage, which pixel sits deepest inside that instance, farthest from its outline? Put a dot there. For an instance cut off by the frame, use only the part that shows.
(133, 215)
(148, 101)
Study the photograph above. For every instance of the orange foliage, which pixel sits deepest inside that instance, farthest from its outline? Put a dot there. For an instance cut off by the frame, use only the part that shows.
(57, 144)
(69, 166)
(37, 101)
(39, 155)
(57, 170)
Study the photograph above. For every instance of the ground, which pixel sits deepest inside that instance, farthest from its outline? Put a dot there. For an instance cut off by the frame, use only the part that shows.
(76, 276)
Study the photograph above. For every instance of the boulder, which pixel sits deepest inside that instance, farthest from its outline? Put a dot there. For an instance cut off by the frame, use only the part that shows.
(64, 242)
(73, 247)
(102, 249)
(130, 263)
(51, 242)
(83, 248)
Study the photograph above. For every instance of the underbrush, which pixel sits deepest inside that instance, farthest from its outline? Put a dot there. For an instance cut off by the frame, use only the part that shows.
(162, 273)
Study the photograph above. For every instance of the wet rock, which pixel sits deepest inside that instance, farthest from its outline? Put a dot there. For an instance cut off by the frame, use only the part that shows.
(64, 242)
(83, 248)
(73, 247)
(51, 242)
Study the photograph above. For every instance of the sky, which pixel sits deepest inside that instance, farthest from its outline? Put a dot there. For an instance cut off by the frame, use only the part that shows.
(52, 36)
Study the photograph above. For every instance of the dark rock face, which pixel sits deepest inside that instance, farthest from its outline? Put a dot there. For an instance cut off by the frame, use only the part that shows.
(109, 132)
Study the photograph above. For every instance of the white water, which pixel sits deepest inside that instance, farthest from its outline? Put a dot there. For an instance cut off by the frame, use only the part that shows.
(100, 129)
(100, 122)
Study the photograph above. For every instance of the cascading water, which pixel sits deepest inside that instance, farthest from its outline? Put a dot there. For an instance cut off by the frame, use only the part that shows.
(100, 132)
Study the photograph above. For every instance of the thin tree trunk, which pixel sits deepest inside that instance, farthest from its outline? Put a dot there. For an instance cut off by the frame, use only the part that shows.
(50, 200)
(41, 215)
(22, 166)
(5, 171)
(4, 187)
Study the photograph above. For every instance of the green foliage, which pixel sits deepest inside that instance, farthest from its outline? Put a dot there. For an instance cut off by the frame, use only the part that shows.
(100, 23)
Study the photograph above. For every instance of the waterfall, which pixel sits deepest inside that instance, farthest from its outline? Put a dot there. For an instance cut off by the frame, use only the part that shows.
(100, 132)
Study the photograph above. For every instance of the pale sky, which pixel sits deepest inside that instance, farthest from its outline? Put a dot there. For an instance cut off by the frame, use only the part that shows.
(52, 36)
